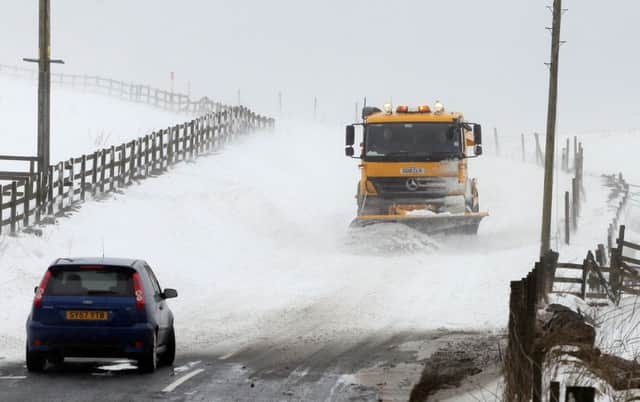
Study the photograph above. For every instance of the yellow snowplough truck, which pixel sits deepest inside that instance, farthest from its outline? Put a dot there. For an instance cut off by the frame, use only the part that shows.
(414, 169)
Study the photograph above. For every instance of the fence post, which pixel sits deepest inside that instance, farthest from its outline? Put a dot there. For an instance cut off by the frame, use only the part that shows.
(1, 207)
(94, 173)
(132, 160)
(530, 320)
(192, 138)
(39, 196)
(169, 147)
(14, 190)
(123, 165)
(184, 142)
(103, 162)
(601, 255)
(61, 186)
(50, 184)
(140, 154)
(567, 222)
(153, 152)
(585, 275)
(576, 200)
(25, 207)
(162, 154)
(539, 157)
(616, 276)
(176, 145)
(83, 177)
(112, 168)
(72, 180)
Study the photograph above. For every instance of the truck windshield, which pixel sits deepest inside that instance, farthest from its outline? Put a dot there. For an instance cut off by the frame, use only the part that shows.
(411, 141)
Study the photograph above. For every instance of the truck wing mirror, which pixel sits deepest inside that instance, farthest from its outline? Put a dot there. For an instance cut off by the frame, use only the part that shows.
(350, 137)
(348, 151)
(477, 134)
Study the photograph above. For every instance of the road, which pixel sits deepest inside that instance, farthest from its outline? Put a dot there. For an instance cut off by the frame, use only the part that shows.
(379, 367)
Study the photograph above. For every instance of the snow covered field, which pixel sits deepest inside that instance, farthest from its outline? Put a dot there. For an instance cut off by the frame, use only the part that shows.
(80, 122)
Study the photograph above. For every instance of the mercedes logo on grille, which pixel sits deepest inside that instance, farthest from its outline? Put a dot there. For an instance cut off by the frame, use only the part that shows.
(412, 184)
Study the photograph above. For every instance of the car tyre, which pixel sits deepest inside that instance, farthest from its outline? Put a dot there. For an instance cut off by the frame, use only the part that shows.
(149, 360)
(35, 361)
(169, 355)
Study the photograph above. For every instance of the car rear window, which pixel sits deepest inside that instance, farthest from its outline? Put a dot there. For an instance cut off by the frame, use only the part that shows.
(102, 281)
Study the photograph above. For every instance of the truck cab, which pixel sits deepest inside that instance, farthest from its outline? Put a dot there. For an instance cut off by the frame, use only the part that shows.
(414, 163)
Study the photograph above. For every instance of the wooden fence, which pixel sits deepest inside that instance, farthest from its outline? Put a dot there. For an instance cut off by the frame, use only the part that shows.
(160, 98)
(523, 360)
(573, 199)
(37, 199)
(592, 281)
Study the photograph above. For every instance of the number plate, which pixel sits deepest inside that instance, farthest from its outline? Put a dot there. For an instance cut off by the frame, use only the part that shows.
(87, 315)
(412, 170)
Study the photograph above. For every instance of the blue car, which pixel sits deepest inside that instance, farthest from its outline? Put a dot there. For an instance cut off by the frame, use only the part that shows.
(100, 307)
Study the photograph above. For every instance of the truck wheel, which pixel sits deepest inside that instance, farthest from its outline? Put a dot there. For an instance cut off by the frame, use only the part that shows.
(35, 361)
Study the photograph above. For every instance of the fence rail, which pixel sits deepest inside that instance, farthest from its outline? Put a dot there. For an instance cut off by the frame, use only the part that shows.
(37, 198)
(160, 98)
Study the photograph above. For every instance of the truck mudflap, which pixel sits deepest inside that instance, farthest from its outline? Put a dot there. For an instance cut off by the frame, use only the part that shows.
(442, 223)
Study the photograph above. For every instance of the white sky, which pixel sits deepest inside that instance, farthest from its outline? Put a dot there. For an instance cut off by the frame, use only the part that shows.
(485, 58)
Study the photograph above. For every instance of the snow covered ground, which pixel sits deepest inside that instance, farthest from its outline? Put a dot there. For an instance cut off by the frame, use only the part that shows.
(80, 122)
(255, 237)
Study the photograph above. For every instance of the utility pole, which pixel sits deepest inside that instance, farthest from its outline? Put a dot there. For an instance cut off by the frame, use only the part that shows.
(44, 86)
(551, 129)
(280, 103)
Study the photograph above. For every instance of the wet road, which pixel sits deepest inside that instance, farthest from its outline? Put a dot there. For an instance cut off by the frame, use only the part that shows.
(379, 367)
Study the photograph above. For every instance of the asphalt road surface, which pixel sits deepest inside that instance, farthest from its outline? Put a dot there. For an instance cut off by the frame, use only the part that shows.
(381, 367)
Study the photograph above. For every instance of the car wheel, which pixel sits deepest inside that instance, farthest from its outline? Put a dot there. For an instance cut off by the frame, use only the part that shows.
(169, 355)
(149, 360)
(35, 361)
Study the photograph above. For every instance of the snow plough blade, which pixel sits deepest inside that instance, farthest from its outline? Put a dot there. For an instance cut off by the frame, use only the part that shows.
(444, 223)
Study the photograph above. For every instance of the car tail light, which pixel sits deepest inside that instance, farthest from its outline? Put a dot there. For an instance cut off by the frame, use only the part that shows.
(37, 300)
(138, 291)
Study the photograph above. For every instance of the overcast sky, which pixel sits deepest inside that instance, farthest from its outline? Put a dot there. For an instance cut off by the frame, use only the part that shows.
(485, 58)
